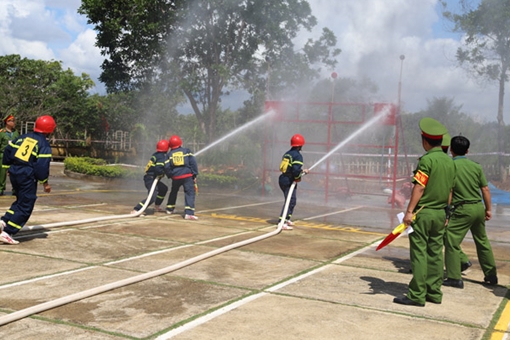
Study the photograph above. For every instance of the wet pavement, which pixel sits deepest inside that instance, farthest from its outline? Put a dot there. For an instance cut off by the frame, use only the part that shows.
(191, 280)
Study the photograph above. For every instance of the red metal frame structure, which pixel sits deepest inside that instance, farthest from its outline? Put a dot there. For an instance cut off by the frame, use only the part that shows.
(324, 126)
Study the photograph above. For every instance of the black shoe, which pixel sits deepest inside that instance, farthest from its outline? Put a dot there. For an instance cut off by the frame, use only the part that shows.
(491, 280)
(453, 283)
(408, 302)
(430, 300)
(464, 266)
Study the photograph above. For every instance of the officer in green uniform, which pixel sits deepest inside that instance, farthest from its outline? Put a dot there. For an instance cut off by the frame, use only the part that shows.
(445, 144)
(464, 260)
(7, 134)
(433, 181)
(469, 213)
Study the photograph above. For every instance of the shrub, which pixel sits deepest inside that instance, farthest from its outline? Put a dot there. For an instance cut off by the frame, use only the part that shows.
(212, 180)
(99, 167)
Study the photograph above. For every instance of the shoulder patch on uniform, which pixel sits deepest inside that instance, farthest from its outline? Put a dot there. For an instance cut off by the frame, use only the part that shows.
(421, 178)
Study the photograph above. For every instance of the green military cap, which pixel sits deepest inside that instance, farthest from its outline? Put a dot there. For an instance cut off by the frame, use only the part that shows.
(432, 129)
(8, 117)
(446, 140)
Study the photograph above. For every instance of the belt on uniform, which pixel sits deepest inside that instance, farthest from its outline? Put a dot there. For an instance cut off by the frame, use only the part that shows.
(418, 207)
(466, 202)
(455, 206)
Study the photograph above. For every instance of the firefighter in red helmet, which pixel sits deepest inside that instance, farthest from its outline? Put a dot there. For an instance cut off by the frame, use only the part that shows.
(175, 142)
(291, 168)
(155, 169)
(182, 168)
(28, 158)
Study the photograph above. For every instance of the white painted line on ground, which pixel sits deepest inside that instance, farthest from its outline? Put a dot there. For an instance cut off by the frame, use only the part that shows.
(239, 303)
(148, 254)
(208, 317)
(315, 271)
(44, 277)
(172, 249)
(110, 263)
(333, 213)
(41, 209)
(240, 206)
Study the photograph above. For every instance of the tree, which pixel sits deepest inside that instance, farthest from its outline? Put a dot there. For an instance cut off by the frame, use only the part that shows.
(487, 48)
(31, 88)
(207, 48)
(143, 114)
(447, 112)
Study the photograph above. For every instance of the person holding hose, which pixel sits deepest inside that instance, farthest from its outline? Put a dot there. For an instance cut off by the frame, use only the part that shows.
(291, 168)
(155, 169)
(28, 158)
(181, 167)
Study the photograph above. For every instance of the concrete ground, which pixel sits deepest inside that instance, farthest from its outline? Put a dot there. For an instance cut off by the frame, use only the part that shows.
(322, 280)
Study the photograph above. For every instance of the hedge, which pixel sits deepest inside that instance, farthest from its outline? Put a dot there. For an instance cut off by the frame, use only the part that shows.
(99, 167)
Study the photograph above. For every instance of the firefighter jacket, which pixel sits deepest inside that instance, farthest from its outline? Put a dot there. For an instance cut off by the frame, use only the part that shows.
(181, 163)
(29, 154)
(156, 166)
(292, 162)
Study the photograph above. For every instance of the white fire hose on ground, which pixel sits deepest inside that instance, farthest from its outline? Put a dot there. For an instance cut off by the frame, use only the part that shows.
(97, 219)
(118, 284)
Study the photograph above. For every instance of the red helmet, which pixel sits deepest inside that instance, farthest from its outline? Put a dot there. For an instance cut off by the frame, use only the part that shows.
(297, 140)
(162, 146)
(175, 141)
(45, 124)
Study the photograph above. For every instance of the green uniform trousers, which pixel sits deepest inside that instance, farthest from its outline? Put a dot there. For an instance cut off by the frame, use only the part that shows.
(468, 217)
(426, 249)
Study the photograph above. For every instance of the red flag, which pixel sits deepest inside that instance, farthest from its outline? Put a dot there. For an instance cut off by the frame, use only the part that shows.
(395, 233)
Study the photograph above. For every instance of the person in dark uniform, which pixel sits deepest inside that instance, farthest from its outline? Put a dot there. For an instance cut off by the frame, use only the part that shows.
(7, 135)
(291, 168)
(181, 167)
(28, 158)
(433, 182)
(155, 169)
(469, 213)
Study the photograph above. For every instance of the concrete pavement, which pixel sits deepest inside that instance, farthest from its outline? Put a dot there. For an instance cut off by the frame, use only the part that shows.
(323, 280)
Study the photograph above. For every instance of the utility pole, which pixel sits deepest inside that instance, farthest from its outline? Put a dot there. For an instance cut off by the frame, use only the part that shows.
(402, 57)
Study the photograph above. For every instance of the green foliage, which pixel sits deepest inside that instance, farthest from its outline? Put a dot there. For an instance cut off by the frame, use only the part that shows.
(115, 112)
(31, 88)
(487, 43)
(99, 167)
(209, 180)
(486, 49)
(444, 110)
(204, 49)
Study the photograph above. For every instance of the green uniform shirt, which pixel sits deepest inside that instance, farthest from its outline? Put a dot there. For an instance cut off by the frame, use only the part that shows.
(6, 137)
(436, 172)
(470, 178)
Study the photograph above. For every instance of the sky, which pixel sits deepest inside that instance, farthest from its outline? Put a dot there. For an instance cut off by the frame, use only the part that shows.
(372, 35)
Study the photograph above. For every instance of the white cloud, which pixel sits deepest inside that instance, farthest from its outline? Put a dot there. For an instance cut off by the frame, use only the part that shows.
(82, 55)
(374, 33)
(50, 30)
